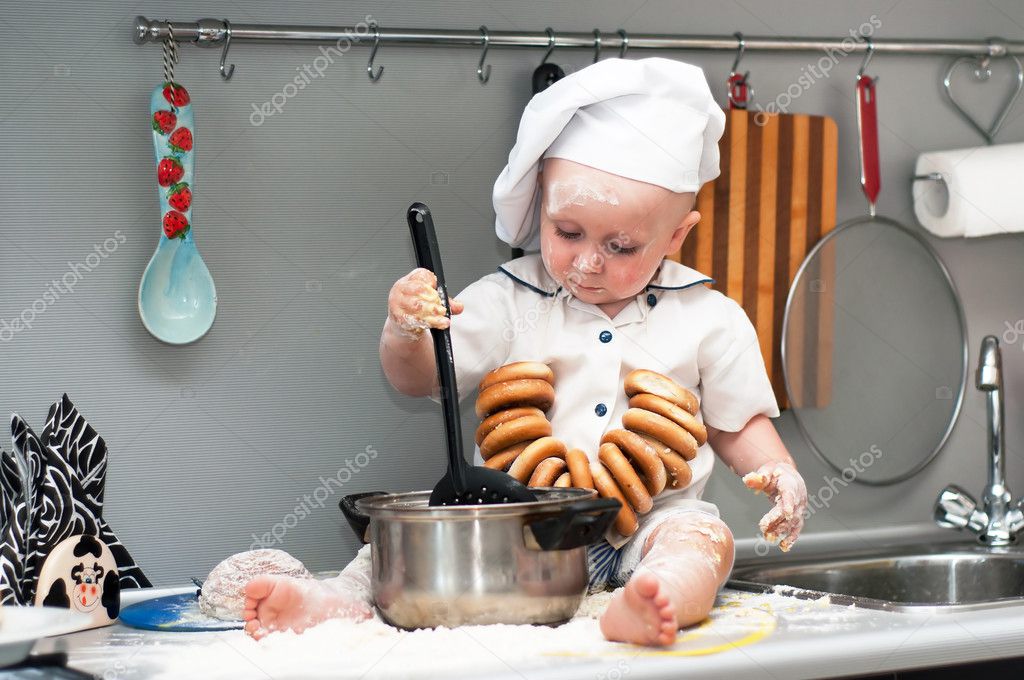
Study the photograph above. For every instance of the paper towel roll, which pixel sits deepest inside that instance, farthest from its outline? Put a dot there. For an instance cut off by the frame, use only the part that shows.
(981, 194)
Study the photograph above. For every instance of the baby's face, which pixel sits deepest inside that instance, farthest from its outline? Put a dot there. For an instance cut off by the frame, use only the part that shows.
(603, 236)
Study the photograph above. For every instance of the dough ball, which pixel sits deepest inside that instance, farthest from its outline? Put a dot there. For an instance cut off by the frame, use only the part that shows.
(223, 592)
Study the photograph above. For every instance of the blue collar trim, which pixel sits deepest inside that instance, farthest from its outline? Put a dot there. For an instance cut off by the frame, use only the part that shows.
(528, 285)
(695, 283)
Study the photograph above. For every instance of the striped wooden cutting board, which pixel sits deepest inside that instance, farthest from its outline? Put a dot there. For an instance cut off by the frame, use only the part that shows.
(775, 198)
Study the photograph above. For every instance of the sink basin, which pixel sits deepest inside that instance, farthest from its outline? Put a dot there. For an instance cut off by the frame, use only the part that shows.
(924, 579)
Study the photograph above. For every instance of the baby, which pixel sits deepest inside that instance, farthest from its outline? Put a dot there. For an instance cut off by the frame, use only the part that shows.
(603, 179)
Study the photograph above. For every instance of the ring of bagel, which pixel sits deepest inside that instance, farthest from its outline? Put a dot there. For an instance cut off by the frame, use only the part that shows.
(642, 380)
(503, 459)
(579, 468)
(513, 432)
(643, 455)
(664, 407)
(532, 455)
(661, 428)
(678, 470)
(519, 370)
(629, 481)
(495, 419)
(547, 471)
(625, 521)
(564, 481)
(531, 392)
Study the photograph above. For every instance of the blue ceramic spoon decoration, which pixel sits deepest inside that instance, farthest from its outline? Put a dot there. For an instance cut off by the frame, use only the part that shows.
(177, 298)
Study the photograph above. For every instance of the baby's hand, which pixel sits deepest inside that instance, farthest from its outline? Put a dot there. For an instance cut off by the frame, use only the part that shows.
(787, 490)
(415, 305)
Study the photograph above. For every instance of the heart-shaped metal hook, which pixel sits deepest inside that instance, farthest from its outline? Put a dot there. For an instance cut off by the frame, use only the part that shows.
(982, 71)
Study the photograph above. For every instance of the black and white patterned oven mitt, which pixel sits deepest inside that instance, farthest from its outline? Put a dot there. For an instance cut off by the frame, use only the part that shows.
(66, 472)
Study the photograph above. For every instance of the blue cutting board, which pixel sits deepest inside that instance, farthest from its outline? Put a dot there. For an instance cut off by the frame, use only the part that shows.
(174, 613)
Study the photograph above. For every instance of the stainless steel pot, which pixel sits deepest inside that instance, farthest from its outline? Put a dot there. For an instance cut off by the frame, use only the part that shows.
(479, 564)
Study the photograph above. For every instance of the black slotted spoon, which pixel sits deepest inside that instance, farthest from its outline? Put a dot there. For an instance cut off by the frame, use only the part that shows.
(463, 484)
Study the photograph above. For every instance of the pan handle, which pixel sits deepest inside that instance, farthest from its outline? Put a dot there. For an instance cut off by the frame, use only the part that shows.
(577, 524)
(867, 128)
(359, 521)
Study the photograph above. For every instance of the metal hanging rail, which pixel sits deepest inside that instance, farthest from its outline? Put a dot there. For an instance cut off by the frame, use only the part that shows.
(216, 32)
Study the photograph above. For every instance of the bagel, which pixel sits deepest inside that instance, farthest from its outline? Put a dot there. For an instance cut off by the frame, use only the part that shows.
(661, 428)
(564, 481)
(643, 454)
(678, 470)
(626, 477)
(520, 370)
(642, 380)
(513, 432)
(532, 455)
(625, 522)
(503, 459)
(510, 393)
(495, 419)
(664, 407)
(579, 468)
(676, 467)
(547, 471)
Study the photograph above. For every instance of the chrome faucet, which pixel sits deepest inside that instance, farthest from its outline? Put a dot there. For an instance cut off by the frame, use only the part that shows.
(1000, 519)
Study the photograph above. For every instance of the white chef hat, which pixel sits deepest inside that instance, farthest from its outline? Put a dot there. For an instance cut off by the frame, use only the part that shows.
(652, 120)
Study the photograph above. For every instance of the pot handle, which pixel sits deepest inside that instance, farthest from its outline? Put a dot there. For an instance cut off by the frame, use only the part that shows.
(360, 522)
(578, 524)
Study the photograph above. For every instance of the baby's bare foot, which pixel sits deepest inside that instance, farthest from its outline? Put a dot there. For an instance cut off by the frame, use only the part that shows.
(641, 613)
(275, 603)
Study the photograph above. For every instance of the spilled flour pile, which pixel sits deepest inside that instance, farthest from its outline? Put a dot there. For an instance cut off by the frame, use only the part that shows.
(373, 649)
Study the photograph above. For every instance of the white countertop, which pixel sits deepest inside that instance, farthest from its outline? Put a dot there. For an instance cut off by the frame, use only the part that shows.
(747, 635)
(770, 634)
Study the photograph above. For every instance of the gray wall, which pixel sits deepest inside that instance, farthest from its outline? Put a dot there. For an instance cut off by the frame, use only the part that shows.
(301, 221)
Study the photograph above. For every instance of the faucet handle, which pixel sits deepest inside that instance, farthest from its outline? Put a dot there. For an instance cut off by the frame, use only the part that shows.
(955, 509)
(1015, 519)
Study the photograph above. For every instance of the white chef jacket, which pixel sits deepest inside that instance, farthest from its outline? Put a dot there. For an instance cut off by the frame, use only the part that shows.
(699, 337)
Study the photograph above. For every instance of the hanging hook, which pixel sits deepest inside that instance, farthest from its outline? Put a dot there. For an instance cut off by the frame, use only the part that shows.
(484, 74)
(625, 43)
(374, 77)
(170, 55)
(867, 57)
(741, 46)
(740, 91)
(226, 74)
(597, 45)
(551, 44)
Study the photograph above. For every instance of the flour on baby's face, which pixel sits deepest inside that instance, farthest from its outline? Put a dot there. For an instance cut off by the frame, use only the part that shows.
(576, 191)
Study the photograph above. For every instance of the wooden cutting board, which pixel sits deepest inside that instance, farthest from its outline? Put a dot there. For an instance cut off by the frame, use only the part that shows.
(775, 198)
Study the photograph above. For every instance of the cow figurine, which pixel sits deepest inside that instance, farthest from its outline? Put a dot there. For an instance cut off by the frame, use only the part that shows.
(80, 574)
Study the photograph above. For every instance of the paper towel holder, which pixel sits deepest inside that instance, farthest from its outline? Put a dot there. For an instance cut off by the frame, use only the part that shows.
(939, 205)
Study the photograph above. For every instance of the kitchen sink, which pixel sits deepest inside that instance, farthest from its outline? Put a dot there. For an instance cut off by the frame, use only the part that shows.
(928, 579)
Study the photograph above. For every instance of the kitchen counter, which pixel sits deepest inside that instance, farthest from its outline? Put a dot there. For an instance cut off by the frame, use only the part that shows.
(769, 634)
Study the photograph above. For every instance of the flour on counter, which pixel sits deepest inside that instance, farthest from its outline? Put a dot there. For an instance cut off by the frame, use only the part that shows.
(372, 649)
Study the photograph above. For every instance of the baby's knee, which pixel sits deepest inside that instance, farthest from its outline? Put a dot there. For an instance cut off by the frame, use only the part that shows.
(699, 531)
